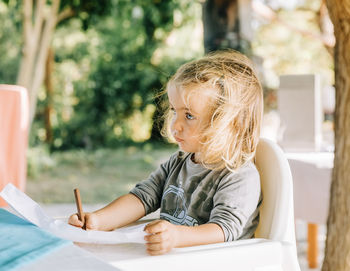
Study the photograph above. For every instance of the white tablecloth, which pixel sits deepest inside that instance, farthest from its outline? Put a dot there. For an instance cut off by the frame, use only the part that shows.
(312, 174)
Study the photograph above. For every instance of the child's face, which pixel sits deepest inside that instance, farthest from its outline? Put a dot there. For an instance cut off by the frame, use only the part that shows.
(190, 114)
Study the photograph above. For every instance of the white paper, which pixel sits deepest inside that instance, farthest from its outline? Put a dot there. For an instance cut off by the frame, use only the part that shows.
(31, 211)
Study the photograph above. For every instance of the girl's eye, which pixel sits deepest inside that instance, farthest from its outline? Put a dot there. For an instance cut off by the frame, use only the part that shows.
(173, 110)
(189, 116)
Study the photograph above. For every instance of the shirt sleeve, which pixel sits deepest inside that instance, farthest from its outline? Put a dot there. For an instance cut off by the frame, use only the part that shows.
(236, 201)
(150, 190)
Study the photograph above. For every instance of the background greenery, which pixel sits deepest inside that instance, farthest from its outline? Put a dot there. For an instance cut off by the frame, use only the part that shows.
(101, 175)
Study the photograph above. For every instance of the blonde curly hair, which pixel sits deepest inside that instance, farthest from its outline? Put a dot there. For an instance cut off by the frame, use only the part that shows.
(230, 138)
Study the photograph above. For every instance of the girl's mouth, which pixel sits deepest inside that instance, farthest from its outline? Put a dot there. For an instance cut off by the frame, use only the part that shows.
(178, 139)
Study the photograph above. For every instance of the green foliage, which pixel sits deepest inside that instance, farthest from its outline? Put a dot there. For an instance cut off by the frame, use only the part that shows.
(121, 75)
(10, 41)
(111, 57)
(39, 160)
(87, 11)
(101, 175)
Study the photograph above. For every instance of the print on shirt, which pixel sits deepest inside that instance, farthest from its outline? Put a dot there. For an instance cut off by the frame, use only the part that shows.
(173, 202)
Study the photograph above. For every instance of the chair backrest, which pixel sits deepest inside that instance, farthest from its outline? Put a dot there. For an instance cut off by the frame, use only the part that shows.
(300, 110)
(14, 123)
(277, 211)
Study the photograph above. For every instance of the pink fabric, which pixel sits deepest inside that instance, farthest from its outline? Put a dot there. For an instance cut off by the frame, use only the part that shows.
(14, 123)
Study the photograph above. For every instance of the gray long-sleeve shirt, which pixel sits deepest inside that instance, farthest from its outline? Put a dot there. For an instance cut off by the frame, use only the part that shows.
(190, 194)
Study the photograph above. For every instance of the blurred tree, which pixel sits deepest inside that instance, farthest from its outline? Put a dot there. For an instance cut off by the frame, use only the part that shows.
(337, 253)
(40, 19)
(10, 40)
(296, 40)
(118, 94)
(326, 35)
(326, 27)
(224, 25)
(49, 87)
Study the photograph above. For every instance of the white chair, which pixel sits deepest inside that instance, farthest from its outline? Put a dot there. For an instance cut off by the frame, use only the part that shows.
(300, 110)
(273, 248)
(277, 210)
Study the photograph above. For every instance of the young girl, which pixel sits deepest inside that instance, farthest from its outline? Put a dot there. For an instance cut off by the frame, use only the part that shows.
(209, 191)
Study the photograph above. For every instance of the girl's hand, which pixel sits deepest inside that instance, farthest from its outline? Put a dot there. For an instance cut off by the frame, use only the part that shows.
(163, 236)
(91, 221)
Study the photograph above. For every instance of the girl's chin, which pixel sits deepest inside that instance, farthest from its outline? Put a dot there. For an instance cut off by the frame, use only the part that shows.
(184, 148)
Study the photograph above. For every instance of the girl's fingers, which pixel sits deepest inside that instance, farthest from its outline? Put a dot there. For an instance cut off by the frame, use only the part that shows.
(157, 237)
(156, 226)
(74, 220)
(91, 221)
(90, 225)
(156, 252)
(149, 228)
(158, 248)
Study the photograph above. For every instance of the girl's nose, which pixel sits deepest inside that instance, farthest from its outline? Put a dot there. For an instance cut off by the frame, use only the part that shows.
(177, 125)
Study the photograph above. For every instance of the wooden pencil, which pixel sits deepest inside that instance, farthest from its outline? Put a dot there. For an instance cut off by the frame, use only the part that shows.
(79, 207)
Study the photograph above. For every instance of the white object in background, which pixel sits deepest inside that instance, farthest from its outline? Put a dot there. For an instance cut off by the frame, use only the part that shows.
(31, 211)
(312, 176)
(300, 109)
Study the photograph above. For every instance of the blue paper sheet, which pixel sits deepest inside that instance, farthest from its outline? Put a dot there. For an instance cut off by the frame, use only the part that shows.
(22, 242)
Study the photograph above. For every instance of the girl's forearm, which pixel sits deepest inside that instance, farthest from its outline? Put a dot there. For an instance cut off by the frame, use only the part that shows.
(199, 235)
(122, 211)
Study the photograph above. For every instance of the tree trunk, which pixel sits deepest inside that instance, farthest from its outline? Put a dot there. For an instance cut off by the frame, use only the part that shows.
(31, 36)
(326, 28)
(49, 96)
(37, 34)
(221, 25)
(337, 253)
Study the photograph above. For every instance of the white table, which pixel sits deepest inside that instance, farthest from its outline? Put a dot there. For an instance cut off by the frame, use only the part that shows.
(312, 176)
(69, 257)
(224, 256)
